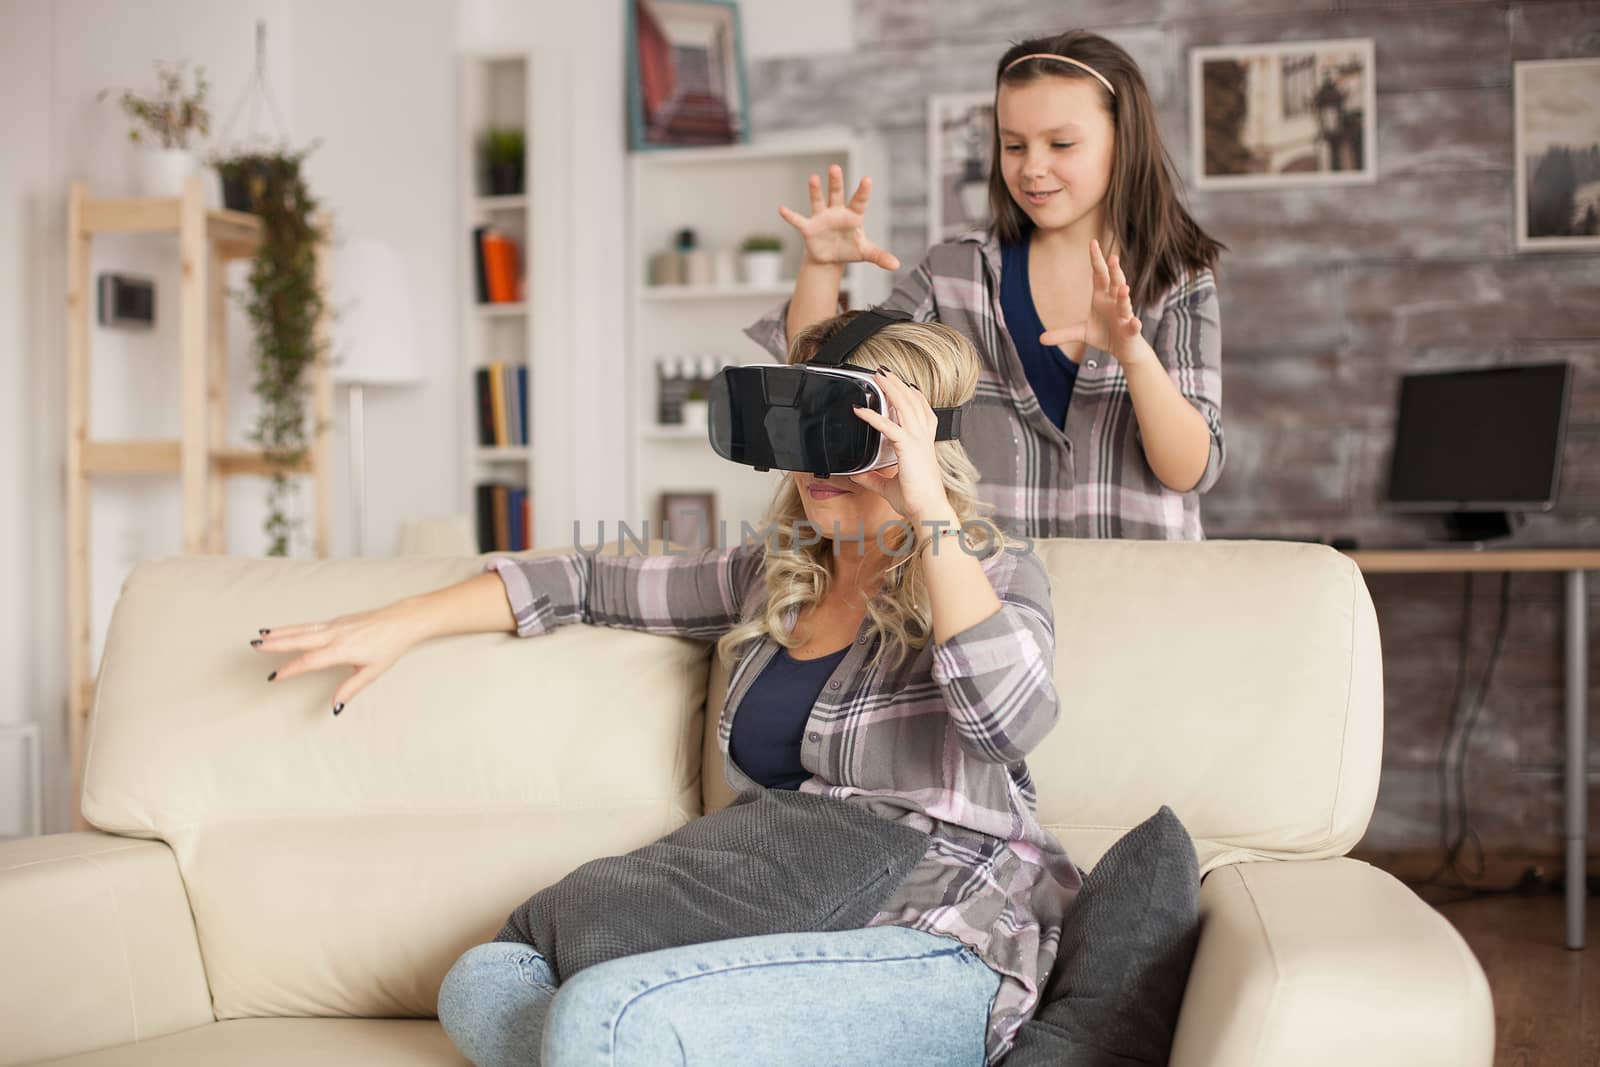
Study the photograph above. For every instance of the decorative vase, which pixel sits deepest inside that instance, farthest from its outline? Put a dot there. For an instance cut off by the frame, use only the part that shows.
(762, 269)
(162, 171)
(696, 415)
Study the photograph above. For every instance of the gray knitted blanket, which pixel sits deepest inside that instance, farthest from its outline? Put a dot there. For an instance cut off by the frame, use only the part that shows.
(774, 861)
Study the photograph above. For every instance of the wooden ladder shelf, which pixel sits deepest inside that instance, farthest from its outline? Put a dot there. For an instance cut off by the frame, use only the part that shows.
(200, 456)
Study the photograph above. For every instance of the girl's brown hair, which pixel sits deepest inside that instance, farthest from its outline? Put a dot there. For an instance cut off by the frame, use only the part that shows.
(1158, 240)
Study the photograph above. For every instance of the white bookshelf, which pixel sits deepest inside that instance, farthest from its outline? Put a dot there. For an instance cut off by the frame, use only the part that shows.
(724, 194)
(494, 89)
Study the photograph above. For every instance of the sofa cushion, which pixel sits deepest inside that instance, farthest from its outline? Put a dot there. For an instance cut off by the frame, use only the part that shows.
(1127, 944)
(340, 865)
(1238, 681)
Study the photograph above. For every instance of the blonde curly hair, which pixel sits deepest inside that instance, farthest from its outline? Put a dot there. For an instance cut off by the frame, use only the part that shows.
(943, 364)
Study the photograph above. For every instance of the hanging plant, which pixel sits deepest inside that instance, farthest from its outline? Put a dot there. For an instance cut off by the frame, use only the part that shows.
(284, 304)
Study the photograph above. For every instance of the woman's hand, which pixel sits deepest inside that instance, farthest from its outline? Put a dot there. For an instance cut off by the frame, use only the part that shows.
(369, 641)
(1112, 326)
(835, 232)
(913, 485)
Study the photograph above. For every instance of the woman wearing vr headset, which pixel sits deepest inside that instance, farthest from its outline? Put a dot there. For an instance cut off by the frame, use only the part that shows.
(889, 650)
(1090, 299)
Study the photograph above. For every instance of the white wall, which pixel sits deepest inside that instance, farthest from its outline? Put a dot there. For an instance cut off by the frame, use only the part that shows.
(783, 28)
(379, 91)
(31, 660)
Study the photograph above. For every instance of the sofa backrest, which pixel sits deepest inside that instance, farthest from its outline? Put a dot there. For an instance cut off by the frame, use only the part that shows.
(1238, 682)
(340, 865)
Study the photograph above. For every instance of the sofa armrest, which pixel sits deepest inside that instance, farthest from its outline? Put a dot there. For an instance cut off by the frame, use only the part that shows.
(100, 946)
(1329, 962)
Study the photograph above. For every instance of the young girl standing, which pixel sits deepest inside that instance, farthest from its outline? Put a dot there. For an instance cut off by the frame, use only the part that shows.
(1090, 299)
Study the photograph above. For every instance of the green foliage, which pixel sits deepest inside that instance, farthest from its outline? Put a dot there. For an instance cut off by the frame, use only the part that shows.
(172, 114)
(283, 303)
(761, 242)
(503, 145)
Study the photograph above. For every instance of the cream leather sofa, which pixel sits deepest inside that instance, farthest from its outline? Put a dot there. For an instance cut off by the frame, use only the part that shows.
(271, 884)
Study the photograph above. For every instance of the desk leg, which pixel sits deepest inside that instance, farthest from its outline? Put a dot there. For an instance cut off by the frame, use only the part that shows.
(1577, 828)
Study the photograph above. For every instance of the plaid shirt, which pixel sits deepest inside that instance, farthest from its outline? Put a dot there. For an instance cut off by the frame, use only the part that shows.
(937, 743)
(1090, 479)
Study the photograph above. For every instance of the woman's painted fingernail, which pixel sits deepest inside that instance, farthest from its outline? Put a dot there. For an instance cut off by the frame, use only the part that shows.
(271, 676)
(256, 643)
(263, 633)
(337, 708)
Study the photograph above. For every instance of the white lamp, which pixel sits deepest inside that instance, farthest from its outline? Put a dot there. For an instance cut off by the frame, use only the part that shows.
(374, 343)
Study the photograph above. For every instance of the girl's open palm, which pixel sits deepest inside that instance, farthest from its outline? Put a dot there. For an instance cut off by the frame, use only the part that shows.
(836, 231)
(1111, 323)
(369, 641)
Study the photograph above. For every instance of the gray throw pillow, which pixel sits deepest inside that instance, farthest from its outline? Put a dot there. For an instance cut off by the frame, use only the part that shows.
(1127, 943)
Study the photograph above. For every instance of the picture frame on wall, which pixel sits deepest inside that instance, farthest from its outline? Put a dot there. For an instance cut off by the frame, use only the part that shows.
(1283, 114)
(686, 76)
(1556, 109)
(960, 147)
(688, 518)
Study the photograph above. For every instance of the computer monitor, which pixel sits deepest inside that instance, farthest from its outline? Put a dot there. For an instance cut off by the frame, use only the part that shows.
(1478, 444)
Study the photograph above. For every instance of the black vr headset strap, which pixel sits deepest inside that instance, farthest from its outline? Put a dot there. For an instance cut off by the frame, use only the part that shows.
(855, 331)
(949, 424)
(858, 330)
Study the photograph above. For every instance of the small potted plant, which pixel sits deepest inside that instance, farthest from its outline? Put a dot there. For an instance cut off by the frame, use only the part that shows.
(762, 259)
(503, 150)
(165, 123)
(696, 408)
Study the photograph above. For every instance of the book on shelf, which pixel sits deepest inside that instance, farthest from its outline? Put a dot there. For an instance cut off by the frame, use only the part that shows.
(497, 266)
(480, 269)
(505, 517)
(522, 394)
(497, 395)
(502, 394)
(485, 394)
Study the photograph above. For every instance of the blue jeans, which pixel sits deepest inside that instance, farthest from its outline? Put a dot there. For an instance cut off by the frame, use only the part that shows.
(884, 995)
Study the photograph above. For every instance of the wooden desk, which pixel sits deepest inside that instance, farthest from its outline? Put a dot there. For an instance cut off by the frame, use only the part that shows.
(1575, 563)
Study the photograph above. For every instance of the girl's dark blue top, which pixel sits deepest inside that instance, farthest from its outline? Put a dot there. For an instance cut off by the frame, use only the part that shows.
(1051, 373)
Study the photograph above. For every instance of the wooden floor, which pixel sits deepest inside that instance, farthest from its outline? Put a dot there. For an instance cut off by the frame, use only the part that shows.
(1546, 998)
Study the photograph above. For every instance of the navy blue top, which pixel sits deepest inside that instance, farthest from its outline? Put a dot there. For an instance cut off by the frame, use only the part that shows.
(765, 742)
(1049, 371)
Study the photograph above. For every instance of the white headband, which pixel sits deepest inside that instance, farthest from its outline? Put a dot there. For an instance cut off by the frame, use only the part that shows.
(1062, 59)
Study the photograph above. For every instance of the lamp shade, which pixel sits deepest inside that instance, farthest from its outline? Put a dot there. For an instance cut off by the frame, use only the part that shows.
(374, 328)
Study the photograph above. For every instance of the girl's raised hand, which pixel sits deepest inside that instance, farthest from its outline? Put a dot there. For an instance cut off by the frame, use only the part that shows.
(1111, 324)
(369, 641)
(835, 232)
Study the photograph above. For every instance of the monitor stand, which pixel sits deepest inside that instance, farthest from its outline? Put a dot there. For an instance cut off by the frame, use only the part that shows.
(1477, 527)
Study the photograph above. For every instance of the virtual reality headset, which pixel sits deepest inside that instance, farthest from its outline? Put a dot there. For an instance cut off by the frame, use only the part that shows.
(802, 418)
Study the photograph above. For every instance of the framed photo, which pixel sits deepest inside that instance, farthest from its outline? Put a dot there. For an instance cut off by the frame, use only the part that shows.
(686, 81)
(1297, 113)
(960, 144)
(689, 519)
(1556, 104)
